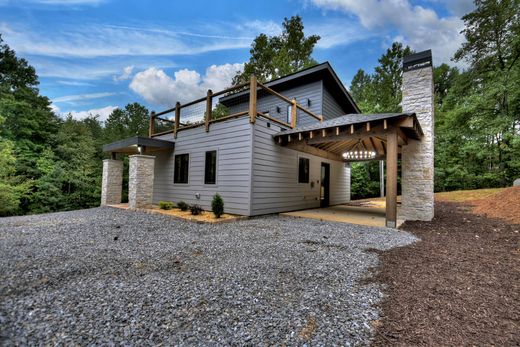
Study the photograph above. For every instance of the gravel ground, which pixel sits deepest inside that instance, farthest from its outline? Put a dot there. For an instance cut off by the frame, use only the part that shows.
(109, 276)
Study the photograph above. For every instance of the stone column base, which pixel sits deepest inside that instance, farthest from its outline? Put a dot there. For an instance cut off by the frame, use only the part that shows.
(140, 181)
(112, 182)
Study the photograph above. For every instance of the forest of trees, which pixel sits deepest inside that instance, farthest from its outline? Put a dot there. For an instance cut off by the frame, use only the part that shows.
(48, 163)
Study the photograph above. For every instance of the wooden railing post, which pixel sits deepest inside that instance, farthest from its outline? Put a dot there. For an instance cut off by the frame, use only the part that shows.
(294, 113)
(151, 125)
(252, 99)
(209, 104)
(177, 118)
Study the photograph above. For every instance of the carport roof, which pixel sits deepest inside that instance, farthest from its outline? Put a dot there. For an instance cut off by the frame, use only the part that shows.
(333, 138)
(348, 119)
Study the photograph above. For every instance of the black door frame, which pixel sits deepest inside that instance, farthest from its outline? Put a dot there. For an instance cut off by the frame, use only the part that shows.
(325, 183)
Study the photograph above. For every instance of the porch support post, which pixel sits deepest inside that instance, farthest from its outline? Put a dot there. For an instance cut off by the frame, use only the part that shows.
(140, 181)
(112, 182)
(391, 178)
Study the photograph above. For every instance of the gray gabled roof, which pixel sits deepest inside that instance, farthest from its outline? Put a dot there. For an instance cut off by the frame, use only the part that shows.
(322, 71)
(347, 119)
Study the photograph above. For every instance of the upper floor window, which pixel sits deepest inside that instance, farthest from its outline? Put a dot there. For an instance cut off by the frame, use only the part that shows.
(182, 163)
(210, 170)
(303, 170)
(289, 114)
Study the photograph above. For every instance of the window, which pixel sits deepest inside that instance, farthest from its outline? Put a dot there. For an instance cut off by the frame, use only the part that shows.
(210, 170)
(303, 170)
(289, 114)
(182, 163)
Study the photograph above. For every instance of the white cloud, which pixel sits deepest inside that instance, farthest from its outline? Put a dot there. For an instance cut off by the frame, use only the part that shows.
(419, 27)
(55, 109)
(103, 113)
(75, 83)
(125, 75)
(84, 41)
(156, 87)
(80, 97)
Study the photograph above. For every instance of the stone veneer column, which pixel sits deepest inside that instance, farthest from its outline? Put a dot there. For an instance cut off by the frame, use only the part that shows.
(112, 182)
(417, 157)
(140, 181)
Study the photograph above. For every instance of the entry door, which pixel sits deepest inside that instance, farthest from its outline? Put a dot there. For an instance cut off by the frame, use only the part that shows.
(325, 185)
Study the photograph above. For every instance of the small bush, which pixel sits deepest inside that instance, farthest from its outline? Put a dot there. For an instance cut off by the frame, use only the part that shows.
(196, 210)
(217, 205)
(165, 205)
(183, 206)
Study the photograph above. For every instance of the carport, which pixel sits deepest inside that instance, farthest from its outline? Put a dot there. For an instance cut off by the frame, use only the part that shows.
(360, 137)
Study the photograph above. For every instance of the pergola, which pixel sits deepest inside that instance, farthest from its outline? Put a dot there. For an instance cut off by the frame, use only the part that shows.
(385, 134)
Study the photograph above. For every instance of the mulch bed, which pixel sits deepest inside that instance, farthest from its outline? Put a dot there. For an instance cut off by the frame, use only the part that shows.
(459, 286)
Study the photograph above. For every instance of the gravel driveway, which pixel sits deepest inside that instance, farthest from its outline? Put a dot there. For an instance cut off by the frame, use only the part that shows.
(118, 277)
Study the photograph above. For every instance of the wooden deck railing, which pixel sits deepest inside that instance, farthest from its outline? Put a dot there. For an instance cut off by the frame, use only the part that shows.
(207, 111)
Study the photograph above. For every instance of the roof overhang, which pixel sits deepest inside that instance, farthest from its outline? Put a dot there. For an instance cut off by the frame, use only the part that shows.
(131, 145)
(323, 71)
(331, 138)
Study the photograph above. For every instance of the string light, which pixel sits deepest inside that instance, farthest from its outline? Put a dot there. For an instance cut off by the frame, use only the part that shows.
(359, 152)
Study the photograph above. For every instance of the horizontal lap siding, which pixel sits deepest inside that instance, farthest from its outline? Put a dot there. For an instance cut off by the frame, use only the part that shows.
(232, 140)
(275, 176)
(268, 103)
(331, 108)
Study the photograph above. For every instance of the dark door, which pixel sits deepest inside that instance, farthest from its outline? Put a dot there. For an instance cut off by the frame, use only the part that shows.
(325, 185)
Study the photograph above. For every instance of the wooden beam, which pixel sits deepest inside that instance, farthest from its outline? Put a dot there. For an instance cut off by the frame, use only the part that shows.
(252, 99)
(406, 122)
(391, 178)
(368, 126)
(311, 134)
(302, 147)
(351, 128)
(337, 131)
(385, 124)
(294, 113)
(177, 118)
(151, 125)
(289, 138)
(209, 105)
(323, 133)
(299, 136)
(402, 136)
(376, 131)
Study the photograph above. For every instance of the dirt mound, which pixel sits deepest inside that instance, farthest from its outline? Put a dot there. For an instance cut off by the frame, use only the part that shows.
(505, 205)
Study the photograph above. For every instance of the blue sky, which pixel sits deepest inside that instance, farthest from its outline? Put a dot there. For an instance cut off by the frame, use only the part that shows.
(96, 55)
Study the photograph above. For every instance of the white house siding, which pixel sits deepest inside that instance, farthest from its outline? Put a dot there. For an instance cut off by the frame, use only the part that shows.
(232, 141)
(275, 176)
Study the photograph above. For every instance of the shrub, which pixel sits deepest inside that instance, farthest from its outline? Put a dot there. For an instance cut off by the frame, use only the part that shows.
(217, 205)
(196, 210)
(165, 205)
(183, 206)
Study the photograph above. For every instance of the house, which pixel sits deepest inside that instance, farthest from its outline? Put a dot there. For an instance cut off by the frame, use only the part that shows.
(281, 146)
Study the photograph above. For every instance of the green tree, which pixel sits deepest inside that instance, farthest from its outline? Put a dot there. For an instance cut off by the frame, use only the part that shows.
(276, 56)
(12, 189)
(133, 120)
(381, 91)
(478, 122)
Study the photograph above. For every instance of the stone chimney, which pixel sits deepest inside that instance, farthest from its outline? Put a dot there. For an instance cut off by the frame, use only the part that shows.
(417, 157)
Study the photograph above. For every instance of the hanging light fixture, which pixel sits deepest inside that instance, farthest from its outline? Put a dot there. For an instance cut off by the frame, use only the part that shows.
(359, 152)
